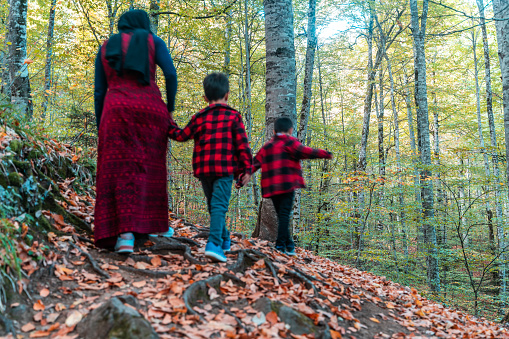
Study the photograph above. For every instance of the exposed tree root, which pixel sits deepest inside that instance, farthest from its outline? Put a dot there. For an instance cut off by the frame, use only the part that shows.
(174, 247)
(202, 235)
(305, 280)
(147, 259)
(94, 264)
(271, 267)
(186, 241)
(149, 273)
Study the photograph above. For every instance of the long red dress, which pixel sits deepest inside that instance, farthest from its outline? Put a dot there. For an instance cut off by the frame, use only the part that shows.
(131, 164)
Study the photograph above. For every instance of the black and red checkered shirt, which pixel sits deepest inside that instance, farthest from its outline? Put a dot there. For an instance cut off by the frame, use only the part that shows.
(279, 161)
(221, 147)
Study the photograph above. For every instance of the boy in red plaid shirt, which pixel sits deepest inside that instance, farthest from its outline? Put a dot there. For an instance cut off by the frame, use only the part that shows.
(221, 152)
(279, 160)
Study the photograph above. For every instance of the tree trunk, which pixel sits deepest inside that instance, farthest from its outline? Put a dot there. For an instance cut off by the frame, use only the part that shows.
(49, 54)
(18, 66)
(361, 165)
(501, 11)
(401, 201)
(421, 101)
(280, 81)
(307, 95)
(154, 18)
(493, 136)
(413, 145)
(112, 7)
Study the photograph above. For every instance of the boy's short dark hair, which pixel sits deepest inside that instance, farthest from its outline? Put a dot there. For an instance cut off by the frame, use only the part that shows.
(283, 125)
(216, 86)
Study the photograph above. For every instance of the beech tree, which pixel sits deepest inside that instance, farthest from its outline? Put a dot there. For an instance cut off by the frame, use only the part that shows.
(19, 80)
(280, 88)
(418, 27)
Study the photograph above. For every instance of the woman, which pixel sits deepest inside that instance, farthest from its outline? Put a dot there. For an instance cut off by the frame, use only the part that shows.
(133, 124)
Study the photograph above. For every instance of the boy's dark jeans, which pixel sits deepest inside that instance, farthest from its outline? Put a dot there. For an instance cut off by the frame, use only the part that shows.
(217, 191)
(283, 204)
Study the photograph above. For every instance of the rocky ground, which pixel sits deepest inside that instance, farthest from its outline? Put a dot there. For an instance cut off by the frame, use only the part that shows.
(67, 288)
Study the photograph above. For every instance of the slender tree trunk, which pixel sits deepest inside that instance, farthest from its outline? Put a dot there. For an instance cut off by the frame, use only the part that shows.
(441, 240)
(49, 54)
(493, 136)
(112, 7)
(228, 38)
(501, 11)
(280, 86)
(401, 201)
(18, 67)
(154, 18)
(413, 145)
(421, 100)
(361, 165)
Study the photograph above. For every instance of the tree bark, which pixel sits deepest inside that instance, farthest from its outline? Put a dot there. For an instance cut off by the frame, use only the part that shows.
(421, 101)
(307, 95)
(154, 19)
(280, 84)
(361, 165)
(501, 10)
(18, 66)
(49, 54)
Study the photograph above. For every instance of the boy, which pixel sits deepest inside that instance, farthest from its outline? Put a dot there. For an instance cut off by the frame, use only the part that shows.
(221, 151)
(282, 174)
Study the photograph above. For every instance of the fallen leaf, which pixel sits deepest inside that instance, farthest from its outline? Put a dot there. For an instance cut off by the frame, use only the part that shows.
(28, 327)
(73, 318)
(271, 317)
(52, 317)
(156, 261)
(335, 334)
(375, 320)
(39, 334)
(39, 306)
(139, 284)
(390, 305)
(44, 292)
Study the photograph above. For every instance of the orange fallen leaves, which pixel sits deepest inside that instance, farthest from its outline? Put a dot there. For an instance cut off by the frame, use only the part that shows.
(44, 292)
(39, 306)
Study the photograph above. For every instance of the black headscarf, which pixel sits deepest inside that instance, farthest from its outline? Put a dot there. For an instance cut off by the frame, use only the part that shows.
(136, 59)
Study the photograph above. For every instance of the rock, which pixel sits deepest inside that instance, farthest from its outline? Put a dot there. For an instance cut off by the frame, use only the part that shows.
(114, 320)
(15, 179)
(129, 299)
(20, 313)
(16, 146)
(298, 322)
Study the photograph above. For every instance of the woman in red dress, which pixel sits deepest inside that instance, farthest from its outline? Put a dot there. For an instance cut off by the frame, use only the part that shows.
(133, 123)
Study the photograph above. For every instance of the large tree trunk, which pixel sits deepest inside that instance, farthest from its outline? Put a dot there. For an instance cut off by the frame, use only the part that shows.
(18, 66)
(49, 54)
(280, 82)
(421, 101)
(306, 97)
(501, 11)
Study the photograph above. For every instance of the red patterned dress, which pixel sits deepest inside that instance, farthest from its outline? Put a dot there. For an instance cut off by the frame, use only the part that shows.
(131, 164)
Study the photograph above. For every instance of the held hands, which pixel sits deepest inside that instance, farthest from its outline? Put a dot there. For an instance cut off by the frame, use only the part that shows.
(243, 180)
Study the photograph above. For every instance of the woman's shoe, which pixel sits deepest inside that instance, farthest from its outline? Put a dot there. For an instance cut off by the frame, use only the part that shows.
(125, 243)
(214, 252)
(167, 234)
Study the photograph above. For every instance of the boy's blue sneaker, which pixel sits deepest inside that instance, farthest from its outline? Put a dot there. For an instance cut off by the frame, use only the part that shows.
(291, 252)
(168, 234)
(281, 249)
(227, 245)
(214, 252)
(125, 243)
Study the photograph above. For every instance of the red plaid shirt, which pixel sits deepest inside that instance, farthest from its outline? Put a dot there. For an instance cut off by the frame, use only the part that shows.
(221, 147)
(279, 161)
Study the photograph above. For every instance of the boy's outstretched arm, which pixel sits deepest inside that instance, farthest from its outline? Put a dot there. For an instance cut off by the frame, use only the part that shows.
(299, 151)
(179, 134)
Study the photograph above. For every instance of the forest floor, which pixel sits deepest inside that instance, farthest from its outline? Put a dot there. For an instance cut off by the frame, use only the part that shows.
(258, 293)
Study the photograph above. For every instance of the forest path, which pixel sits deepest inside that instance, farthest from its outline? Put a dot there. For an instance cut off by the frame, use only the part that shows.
(183, 294)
